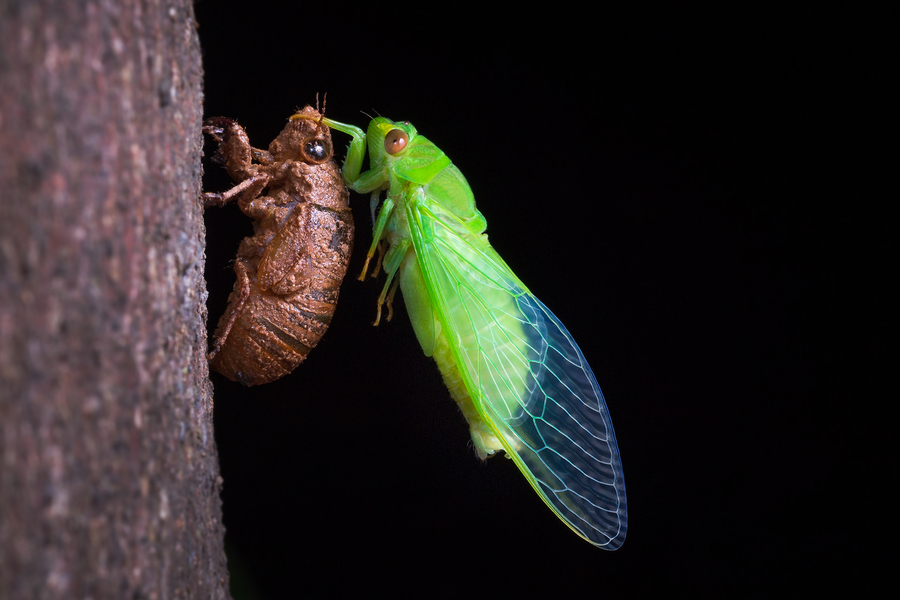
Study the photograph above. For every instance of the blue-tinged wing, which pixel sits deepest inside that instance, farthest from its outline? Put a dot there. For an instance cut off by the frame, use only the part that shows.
(526, 376)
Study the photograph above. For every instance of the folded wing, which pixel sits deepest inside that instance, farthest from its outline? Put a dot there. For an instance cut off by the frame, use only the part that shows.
(526, 376)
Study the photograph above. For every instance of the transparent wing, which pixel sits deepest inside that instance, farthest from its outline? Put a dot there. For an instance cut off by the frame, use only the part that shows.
(527, 377)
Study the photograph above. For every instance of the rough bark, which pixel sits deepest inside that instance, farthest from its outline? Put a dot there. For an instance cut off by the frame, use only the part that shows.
(109, 484)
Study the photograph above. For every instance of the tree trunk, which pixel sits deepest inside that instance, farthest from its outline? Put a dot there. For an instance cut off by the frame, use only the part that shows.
(109, 483)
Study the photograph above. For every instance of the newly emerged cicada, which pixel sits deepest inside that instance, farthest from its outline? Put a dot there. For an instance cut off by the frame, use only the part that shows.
(290, 270)
(516, 373)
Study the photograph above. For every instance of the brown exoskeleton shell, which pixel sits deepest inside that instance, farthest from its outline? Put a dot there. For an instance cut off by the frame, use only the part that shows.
(290, 271)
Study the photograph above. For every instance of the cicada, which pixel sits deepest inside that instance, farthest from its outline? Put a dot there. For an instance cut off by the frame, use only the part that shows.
(517, 375)
(290, 271)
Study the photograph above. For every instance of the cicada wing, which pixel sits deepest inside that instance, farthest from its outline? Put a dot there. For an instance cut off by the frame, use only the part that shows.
(528, 379)
(570, 445)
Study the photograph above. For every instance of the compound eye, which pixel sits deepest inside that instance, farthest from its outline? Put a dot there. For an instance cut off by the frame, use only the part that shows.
(316, 150)
(395, 141)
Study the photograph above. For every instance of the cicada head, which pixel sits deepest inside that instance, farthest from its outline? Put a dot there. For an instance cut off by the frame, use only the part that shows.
(305, 138)
(387, 140)
(407, 155)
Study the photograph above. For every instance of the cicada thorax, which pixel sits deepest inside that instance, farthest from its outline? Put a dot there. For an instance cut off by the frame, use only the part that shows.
(290, 271)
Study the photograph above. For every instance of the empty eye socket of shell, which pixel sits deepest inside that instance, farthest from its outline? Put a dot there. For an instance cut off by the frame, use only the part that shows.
(316, 150)
(395, 141)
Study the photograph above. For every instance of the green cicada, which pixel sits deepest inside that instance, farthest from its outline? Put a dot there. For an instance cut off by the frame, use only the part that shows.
(512, 367)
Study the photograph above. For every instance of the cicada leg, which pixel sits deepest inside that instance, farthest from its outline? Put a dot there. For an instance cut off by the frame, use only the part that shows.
(223, 198)
(236, 311)
(393, 258)
(377, 234)
(389, 300)
(381, 251)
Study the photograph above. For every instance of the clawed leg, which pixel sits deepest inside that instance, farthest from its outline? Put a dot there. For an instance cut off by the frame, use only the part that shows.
(390, 299)
(234, 151)
(380, 247)
(223, 198)
(216, 127)
(236, 311)
(387, 297)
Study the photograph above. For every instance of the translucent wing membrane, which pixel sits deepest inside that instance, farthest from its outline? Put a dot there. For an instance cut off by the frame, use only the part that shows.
(527, 377)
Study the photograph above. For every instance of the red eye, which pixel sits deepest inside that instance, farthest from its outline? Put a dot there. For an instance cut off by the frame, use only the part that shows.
(395, 141)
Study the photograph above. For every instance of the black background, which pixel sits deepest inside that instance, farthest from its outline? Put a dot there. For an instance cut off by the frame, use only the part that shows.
(691, 194)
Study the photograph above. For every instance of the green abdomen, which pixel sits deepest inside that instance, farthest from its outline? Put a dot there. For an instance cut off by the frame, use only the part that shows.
(486, 443)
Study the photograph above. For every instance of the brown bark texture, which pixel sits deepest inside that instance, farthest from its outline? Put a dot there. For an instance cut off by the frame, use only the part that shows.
(109, 483)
